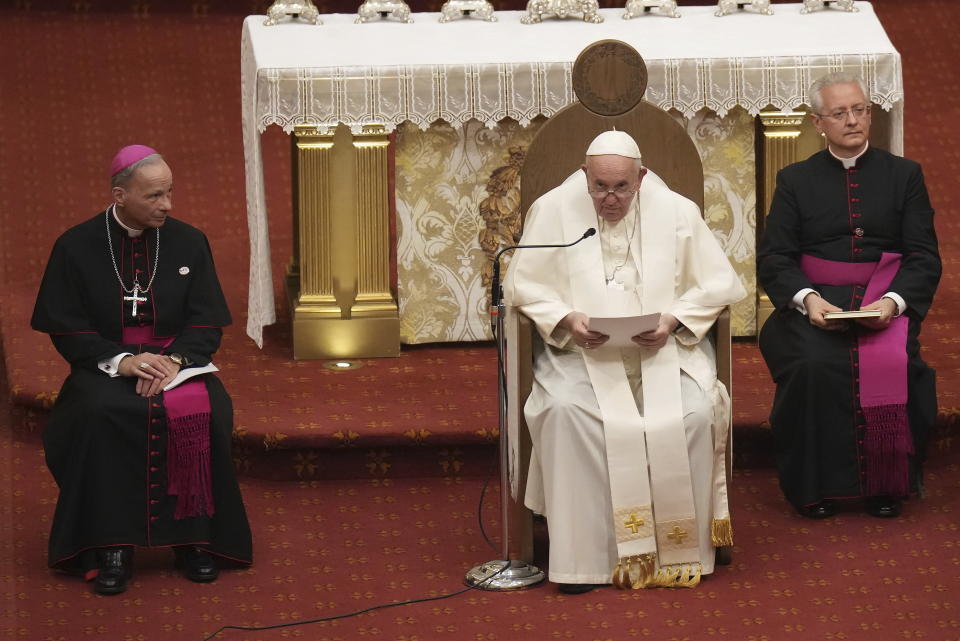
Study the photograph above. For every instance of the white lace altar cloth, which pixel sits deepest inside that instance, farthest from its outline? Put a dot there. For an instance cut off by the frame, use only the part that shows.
(387, 72)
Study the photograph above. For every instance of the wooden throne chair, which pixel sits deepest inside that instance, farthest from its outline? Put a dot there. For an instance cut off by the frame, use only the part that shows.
(609, 79)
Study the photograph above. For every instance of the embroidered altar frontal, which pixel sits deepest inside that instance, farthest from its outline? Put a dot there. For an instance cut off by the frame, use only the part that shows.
(458, 197)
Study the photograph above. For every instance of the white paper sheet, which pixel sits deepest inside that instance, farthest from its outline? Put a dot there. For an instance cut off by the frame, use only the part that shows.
(188, 373)
(621, 329)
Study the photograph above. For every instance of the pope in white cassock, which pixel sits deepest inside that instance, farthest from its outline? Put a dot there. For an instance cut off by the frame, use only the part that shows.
(628, 443)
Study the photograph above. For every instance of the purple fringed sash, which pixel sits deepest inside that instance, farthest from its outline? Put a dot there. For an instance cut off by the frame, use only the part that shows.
(883, 374)
(188, 432)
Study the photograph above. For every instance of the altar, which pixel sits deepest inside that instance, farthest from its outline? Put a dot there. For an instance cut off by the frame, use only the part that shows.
(437, 118)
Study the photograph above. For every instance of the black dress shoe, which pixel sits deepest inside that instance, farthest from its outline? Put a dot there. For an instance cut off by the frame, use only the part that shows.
(821, 510)
(197, 565)
(576, 588)
(723, 555)
(884, 507)
(114, 569)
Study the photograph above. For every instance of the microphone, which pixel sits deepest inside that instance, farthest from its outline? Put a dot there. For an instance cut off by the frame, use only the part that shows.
(496, 292)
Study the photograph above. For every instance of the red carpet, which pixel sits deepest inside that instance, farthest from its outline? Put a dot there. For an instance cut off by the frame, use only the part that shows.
(362, 486)
(326, 548)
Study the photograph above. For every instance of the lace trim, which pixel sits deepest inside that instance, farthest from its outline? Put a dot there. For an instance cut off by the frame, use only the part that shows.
(457, 94)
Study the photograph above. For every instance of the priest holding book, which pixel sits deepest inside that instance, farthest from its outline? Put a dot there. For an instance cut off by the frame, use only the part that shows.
(140, 450)
(849, 259)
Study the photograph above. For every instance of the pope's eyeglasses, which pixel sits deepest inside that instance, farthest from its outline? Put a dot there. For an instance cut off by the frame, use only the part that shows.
(619, 192)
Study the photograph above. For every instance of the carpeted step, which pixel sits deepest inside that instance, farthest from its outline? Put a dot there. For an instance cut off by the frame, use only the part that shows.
(432, 411)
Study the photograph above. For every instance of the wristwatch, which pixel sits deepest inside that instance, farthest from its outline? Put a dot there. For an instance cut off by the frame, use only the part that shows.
(177, 358)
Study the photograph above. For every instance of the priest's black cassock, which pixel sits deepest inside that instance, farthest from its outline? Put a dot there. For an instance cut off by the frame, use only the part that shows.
(105, 445)
(851, 215)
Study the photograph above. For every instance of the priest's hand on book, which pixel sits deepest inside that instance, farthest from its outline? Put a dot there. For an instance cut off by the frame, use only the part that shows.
(153, 371)
(816, 307)
(887, 307)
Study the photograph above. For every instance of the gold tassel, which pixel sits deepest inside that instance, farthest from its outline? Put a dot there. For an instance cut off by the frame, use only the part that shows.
(619, 578)
(646, 566)
(634, 572)
(677, 576)
(721, 532)
(640, 571)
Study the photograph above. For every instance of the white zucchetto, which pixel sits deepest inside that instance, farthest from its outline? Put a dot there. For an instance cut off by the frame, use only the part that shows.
(614, 143)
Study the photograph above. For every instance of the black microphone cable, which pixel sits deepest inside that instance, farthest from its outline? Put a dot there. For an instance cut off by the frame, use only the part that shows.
(495, 298)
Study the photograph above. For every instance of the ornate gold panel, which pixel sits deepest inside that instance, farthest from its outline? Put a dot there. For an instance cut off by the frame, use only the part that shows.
(338, 282)
(373, 227)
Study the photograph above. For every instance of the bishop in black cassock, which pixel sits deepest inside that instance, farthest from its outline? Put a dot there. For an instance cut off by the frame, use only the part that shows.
(129, 298)
(854, 400)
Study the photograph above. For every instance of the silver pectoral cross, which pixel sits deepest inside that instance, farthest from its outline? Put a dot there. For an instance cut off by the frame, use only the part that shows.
(136, 299)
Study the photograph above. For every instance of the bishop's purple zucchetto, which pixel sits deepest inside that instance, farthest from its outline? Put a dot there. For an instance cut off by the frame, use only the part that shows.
(129, 155)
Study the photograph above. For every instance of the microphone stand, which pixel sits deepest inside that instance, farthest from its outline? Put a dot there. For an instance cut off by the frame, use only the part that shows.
(506, 573)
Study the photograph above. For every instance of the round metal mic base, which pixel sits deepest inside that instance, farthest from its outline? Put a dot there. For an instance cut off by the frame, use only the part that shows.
(504, 575)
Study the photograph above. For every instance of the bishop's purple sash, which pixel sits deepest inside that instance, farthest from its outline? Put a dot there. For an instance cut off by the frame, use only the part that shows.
(188, 432)
(883, 374)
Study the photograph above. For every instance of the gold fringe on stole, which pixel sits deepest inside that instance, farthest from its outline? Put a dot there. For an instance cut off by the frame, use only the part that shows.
(639, 571)
(721, 532)
(677, 576)
(634, 572)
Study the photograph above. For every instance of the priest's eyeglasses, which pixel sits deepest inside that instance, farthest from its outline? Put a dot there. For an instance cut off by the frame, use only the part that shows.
(840, 115)
(619, 192)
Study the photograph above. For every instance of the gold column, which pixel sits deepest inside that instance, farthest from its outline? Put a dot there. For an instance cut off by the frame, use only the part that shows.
(373, 234)
(338, 282)
(781, 132)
